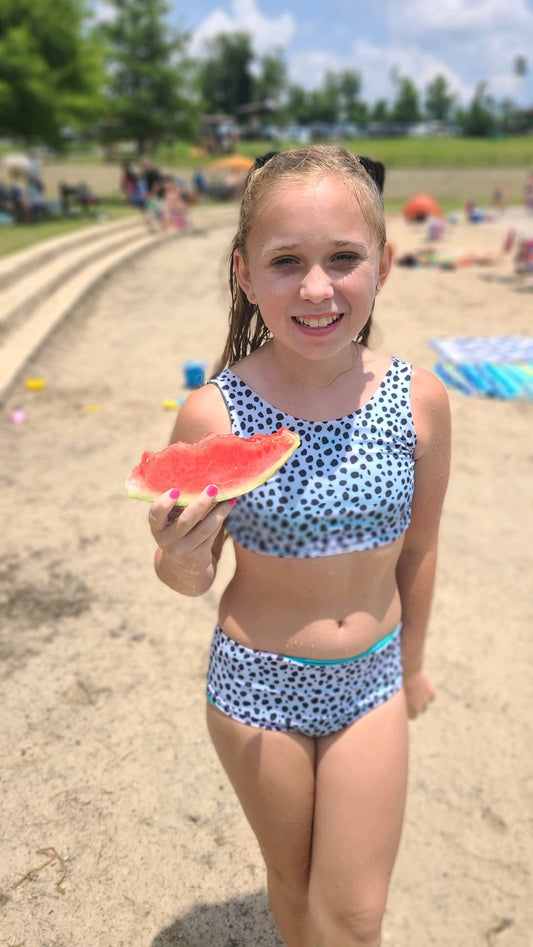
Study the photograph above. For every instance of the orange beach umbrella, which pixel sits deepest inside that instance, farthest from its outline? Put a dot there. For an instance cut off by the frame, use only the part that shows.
(421, 206)
(232, 163)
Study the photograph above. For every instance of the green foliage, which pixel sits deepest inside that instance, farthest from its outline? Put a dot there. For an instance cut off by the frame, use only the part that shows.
(151, 81)
(480, 119)
(337, 100)
(406, 107)
(439, 101)
(271, 80)
(380, 111)
(520, 66)
(50, 69)
(226, 77)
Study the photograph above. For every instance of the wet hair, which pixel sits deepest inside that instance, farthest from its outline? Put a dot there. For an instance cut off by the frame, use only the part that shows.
(363, 176)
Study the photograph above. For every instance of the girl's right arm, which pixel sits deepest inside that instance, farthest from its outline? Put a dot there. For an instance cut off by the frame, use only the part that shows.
(190, 538)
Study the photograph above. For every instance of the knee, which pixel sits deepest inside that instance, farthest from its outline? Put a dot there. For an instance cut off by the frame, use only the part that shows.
(356, 924)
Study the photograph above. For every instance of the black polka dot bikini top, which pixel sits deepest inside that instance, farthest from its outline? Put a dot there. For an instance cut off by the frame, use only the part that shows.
(349, 486)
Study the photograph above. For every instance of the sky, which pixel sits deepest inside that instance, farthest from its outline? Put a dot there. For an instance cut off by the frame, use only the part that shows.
(467, 41)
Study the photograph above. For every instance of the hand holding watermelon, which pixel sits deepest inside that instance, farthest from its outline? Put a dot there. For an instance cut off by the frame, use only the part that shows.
(188, 484)
(187, 535)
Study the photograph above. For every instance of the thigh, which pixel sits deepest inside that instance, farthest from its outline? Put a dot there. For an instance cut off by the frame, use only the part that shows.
(361, 777)
(273, 776)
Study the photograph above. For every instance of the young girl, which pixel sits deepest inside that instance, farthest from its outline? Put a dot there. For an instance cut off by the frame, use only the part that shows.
(317, 659)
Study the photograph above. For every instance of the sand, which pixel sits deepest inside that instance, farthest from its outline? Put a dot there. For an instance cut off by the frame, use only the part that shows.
(119, 828)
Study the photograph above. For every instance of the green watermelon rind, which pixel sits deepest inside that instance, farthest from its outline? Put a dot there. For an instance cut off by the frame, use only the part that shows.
(136, 489)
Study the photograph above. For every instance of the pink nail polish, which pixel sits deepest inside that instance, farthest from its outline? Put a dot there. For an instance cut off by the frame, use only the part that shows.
(233, 501)
(174, 494)
(212, 490)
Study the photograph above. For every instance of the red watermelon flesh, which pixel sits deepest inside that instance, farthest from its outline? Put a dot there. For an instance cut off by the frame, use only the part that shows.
(235, 464)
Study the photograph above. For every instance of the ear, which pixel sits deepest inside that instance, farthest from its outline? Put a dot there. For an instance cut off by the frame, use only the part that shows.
(385, 264)
(242, 274)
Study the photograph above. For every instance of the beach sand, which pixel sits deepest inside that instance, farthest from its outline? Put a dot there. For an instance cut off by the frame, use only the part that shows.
(119, 828)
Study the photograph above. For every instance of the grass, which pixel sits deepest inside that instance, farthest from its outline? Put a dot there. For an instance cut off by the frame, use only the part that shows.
(394, 152)
(20, 236)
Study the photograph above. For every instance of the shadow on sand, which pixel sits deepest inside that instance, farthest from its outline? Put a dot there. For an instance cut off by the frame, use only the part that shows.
(239, 922)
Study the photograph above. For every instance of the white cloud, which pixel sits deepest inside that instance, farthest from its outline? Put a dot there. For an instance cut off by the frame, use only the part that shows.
(377, 63)
(467, 40)
(246, 17)
(308, 67)
(458, 17)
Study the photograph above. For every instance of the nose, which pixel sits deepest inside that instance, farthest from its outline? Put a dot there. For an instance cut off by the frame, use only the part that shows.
(316, 285)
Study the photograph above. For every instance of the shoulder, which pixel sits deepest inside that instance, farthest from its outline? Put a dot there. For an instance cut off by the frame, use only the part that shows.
(430, 408)
(427, 389)
(204, 412)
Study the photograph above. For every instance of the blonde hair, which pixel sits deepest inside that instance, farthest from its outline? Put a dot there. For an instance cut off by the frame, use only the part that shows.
(363, 177)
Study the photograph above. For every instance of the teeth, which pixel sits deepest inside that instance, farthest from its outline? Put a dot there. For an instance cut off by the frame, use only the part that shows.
(317, 323)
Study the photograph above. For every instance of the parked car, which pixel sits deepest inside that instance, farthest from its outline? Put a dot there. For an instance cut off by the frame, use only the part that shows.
(300, 134)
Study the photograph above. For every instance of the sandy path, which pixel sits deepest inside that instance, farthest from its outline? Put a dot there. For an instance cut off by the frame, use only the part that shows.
(104, 754)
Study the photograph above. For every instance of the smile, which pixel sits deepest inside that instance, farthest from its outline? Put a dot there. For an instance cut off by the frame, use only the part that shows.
(320, 322)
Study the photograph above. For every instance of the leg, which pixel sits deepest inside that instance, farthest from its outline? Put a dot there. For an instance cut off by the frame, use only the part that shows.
(361, 776)
(273, 776)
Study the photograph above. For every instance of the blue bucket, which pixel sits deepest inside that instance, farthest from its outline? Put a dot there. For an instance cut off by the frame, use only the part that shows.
(193, 374)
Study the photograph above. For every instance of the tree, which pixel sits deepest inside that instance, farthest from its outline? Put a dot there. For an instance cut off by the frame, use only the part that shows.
(380, 112)
(439, 101)
(406, 107)
(325, 102)
(296, 108)
(226, 77)
(479, 120)
(50, 69)
(350, 83)
(151, 86)
(271, 79)
(520, 69)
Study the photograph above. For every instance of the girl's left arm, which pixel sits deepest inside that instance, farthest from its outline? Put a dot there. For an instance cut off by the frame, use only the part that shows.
(416, 566)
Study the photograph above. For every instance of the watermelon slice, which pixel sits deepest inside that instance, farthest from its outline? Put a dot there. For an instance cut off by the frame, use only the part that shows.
(235, 464)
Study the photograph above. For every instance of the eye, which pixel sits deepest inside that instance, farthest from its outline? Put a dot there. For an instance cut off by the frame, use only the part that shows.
(284, 261)
(347, 258)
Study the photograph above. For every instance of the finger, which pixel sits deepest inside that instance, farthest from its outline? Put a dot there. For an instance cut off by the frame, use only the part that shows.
(161, 509)
(187, 526)
(192, 530)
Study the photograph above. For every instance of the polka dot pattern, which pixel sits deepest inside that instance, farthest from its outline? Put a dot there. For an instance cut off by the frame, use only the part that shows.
(276, 692)
(348, 487)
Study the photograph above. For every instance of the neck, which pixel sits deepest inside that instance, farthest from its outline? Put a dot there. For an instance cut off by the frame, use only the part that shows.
(316, 374)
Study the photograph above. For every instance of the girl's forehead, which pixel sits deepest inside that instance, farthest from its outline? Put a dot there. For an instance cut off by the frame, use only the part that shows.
(318, 185)
(303, 200)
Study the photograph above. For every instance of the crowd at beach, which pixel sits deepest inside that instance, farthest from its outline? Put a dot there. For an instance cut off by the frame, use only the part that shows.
(24, 198)
(164, 199)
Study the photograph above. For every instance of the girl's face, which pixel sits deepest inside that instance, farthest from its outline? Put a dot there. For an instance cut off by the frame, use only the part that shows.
(313, 265)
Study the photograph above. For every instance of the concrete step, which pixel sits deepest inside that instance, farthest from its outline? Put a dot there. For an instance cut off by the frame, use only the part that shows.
(25, 340)
(15, 265)
(42, 285)
(49, 269)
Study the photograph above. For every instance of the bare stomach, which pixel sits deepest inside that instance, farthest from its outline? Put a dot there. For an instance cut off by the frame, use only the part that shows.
(332, 607)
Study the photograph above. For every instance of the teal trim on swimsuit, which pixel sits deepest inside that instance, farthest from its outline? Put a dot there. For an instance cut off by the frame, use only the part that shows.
(375, 647)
